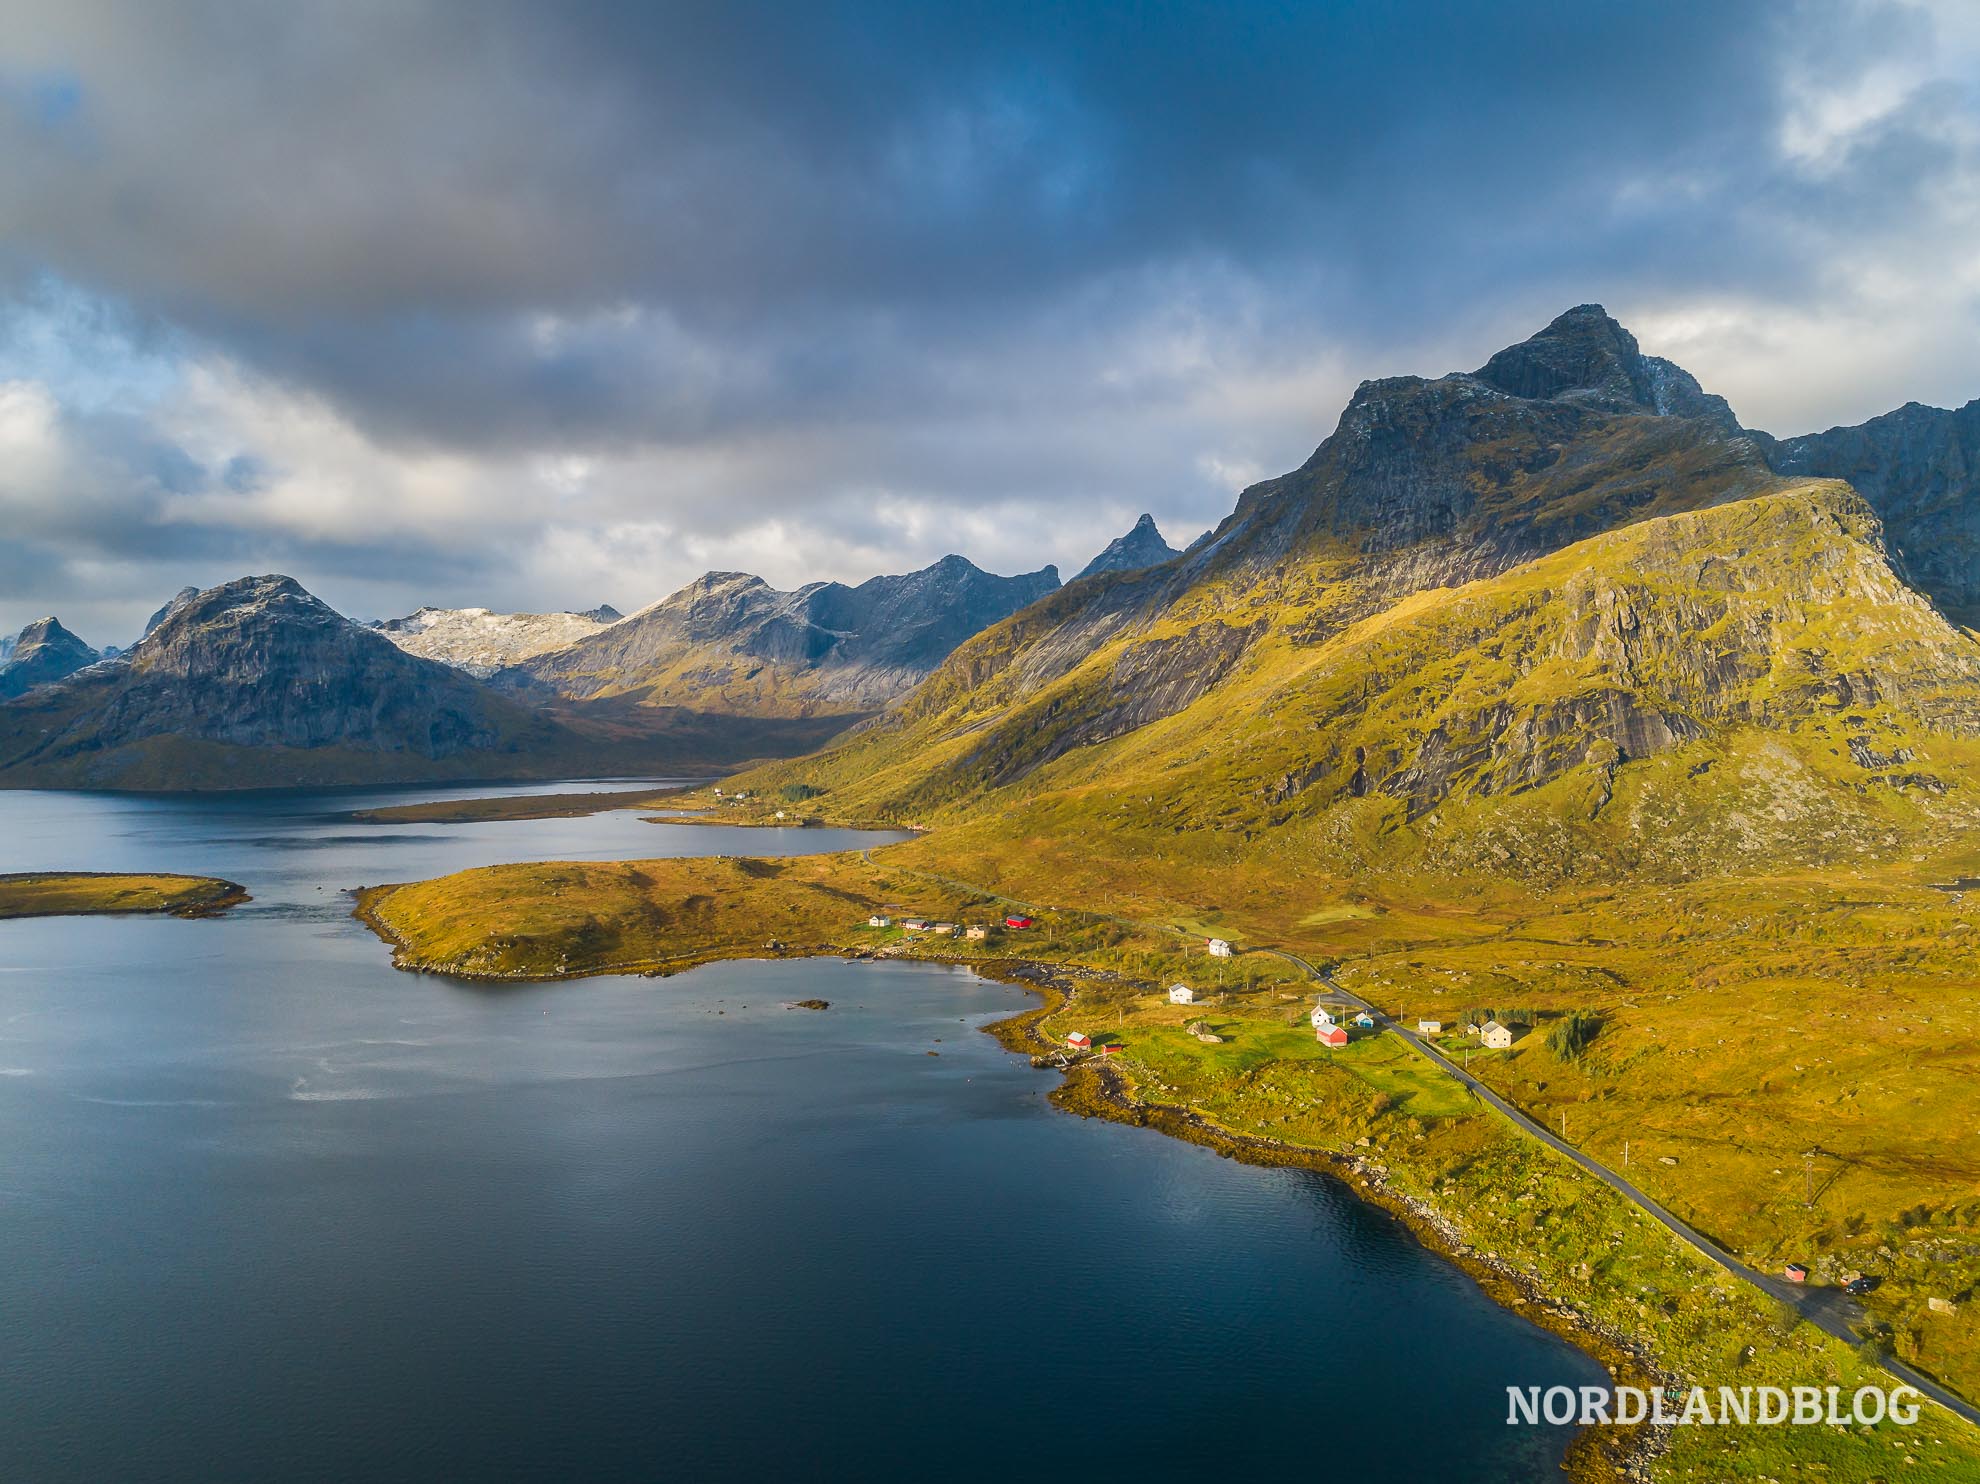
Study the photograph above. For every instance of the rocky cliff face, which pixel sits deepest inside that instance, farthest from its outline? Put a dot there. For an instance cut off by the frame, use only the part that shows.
(1919, 467)
(731, 642)
(43, 652)
(481, 642)
(1142, 546)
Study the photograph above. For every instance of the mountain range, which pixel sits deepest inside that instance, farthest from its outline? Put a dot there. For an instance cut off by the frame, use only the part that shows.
(1530, 617)
(1558, 616)
(729, 642)
(259, 683)
(481, 642)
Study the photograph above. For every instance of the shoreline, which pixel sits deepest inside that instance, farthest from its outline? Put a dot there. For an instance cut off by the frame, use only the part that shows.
(36, 894)
(1090, 1089)
(1095, 1089)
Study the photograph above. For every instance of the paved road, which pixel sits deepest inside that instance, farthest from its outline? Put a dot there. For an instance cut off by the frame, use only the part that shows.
(1828, 1309)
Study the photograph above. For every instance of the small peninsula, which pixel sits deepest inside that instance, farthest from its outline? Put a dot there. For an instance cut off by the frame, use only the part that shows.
(94, 893)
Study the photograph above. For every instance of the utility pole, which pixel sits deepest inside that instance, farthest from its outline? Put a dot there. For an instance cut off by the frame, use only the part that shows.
(1808, 1179)
(1563, 1123)
(1625, 1154)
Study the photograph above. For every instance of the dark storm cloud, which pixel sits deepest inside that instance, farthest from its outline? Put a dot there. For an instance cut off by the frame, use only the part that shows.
(862, 282)
(387, 200)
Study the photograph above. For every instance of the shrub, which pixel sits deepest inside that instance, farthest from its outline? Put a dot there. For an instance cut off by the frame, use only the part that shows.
(1569, 1036)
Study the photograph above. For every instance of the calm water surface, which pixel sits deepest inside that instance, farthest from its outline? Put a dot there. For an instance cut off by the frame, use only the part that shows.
(270, 1209)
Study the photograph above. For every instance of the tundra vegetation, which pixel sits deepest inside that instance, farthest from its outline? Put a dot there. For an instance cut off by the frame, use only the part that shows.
(80, 893)
(1538, 694)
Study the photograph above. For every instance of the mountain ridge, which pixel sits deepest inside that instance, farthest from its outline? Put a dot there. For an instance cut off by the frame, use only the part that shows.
(1129, 707)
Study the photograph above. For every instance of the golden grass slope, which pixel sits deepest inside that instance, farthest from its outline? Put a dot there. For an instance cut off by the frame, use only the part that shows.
(1747, 682)
(83, 893)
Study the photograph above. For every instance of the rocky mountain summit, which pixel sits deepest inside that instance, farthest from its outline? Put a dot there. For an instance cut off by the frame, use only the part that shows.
(44, 651)
(1142, 546)
(729, 641)
(481, 642)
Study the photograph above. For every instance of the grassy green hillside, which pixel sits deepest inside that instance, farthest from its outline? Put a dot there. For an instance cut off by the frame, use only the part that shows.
(1747, 682)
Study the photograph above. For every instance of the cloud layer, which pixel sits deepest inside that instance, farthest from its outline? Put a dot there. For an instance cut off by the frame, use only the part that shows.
(544, 306)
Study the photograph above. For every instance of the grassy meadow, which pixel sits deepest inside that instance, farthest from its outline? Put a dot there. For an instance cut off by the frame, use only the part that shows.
(80, 893)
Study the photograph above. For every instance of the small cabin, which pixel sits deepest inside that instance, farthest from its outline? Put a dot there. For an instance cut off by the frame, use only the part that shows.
(946, 929)
(1330, 1035)
(1497, 1037)
(780, 814)
(1429, 1027)
(1365, 1021)
(1219, 948)
(1795, 1272)
(1322, 1017)
(976, 932)
(879, 920)
(1181, 994)
(1018, 920)
(1079, 1040)
(916, 924)
(1112, 1048)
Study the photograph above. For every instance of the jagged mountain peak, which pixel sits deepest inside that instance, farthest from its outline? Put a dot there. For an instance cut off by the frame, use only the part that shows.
(181, 596)
(44, 651)
(729, 638)
(1141, 547)
(1585, 356)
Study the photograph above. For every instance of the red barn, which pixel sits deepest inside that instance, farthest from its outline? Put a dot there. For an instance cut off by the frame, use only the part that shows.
(1079, 1040)
(1332, 1035)
(1112, 1048)
(1017, 922)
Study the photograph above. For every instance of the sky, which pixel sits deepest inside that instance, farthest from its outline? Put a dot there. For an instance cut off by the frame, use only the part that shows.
(538, 306)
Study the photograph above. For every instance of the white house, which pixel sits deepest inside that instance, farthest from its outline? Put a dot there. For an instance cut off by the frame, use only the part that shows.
(1322, 1017)
(876, 920)
(1496, 1036)
(1429, 1027)
(1219, 948)
(1181, 994)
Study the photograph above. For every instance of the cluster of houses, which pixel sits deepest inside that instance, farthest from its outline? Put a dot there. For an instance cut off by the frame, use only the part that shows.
(1081, 1041)
(975, 932)
(1491, 1034)
(1329, 1029)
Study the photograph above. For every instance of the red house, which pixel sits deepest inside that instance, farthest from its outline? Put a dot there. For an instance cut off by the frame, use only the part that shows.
(1017, 922)
(1079, 1040)
(1794, 1272)
(1332, 1035)
(1112, 1048)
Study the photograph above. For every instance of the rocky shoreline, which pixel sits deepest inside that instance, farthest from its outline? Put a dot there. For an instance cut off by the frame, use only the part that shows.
(1096, 1089)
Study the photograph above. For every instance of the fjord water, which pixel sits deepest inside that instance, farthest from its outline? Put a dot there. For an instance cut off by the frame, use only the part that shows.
(269, 1208)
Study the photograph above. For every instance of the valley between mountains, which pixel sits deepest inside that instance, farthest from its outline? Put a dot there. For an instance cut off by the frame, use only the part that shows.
(1544, 695)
